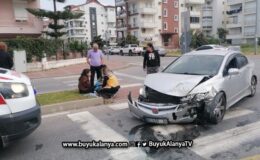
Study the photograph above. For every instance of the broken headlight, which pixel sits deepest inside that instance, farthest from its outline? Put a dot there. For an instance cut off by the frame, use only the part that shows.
(142, 92)
(197, 97)
(13, 90)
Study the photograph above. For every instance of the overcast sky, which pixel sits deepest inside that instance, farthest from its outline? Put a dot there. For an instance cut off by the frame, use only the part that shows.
(48, 4)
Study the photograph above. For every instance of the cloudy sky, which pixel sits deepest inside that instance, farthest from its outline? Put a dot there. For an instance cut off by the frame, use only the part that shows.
(48, 4)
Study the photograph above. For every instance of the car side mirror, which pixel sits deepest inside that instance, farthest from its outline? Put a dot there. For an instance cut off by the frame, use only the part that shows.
(233, 71)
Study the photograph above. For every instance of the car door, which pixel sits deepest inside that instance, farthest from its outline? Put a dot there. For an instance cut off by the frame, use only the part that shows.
(244, 73)
(231, 82)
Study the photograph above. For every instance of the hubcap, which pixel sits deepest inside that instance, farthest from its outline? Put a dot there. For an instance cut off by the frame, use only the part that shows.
(253, 86)
(219, 109)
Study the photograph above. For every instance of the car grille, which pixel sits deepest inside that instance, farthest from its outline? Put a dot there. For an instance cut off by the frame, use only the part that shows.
(153, 96)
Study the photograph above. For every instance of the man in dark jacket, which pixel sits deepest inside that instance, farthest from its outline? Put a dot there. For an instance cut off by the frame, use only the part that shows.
(6, 60)
(151, 59)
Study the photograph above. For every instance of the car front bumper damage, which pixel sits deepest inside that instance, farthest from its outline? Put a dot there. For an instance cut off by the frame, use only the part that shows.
(163, 113)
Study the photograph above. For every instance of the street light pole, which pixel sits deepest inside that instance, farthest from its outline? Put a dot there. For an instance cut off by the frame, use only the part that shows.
(256, 29)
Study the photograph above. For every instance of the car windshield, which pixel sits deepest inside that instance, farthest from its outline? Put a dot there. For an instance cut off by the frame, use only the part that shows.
(196, 65)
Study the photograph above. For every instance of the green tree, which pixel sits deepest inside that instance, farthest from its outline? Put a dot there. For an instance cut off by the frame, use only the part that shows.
(99, 41)
(55, 16)
(76, 46)
(129, 39)
(222, 33)
(198, 39)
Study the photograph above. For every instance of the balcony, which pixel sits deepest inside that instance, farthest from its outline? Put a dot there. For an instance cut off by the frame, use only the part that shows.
(147, 10)
(121, 27)
(195, 1)
(195, 13)
(249, 34)
(232, 2)
(120, 2)
(234, 36)
(121, 15)
(149, 25)
(250, 11)
(32, 26)
(206, 23)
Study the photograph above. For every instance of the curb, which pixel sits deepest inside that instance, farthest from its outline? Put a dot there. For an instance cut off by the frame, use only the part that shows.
(115, 69)
(72, 105)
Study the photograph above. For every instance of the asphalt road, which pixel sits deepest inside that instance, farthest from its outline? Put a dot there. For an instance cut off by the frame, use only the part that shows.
(238, 136)
(131, 76)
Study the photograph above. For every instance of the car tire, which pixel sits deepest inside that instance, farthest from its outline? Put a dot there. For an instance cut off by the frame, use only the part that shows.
(215, 111)
(253, 86)
(130, 53)
(121, 53)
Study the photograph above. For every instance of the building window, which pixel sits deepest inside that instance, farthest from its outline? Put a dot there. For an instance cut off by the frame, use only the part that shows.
(136, 33)
(182, 5)
(176, 30)
(191, 8)
(165, 26)
(165, 12)
(143, 30)
(176, 4)
(194, 20)
(20, 11)
(164, 1)
(176, 17)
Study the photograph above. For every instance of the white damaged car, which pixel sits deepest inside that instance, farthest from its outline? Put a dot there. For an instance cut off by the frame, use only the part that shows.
(20, 113)
(200, 84)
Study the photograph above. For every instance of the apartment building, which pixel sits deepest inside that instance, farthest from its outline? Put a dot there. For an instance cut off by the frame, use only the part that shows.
(98, 19)
(170, 20)
(195, 11)
(16, 21)
(213, 17)
(153, 21)
(242, 21)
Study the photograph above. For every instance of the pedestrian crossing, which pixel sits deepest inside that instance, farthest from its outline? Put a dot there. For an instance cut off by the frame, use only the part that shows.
(204, 146)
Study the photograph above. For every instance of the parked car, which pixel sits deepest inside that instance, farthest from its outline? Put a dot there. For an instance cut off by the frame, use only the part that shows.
(115, 50)
(107, 50)
(161, 51)
(198, 85)
(20, 113)
(131, 49)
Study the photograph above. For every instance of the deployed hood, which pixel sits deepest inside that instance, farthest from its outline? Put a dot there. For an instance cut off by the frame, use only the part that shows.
(172, 84)
(13, 76)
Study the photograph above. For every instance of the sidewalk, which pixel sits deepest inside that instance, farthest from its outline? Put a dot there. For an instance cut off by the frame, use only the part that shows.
(73, 70)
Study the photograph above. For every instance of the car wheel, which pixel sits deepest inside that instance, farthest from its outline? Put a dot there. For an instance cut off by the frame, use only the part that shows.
(121, 53)
(130, 53)
(216, 110)
(253, 86)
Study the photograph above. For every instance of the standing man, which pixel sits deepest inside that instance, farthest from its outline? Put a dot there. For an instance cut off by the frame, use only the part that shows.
(151, 59)
(6, 61)
(95, 60)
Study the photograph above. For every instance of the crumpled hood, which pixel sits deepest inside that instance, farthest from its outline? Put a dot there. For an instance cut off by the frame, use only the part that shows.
(172, 84)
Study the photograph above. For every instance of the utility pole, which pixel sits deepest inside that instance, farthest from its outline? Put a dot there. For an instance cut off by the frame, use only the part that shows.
(256, 27)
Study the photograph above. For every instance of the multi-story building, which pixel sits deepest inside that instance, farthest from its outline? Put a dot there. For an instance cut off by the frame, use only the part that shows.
(170, 20)
(16, 21)
(149, 20)
(213, 17)
(242, 21)
(195, 11)
(98, 19)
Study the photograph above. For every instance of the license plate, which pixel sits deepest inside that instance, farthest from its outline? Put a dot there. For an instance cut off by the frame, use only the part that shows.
(157, 121)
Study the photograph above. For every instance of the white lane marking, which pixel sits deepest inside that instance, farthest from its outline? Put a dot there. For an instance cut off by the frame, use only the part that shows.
(100, 131)
(118, 106)
(122, 86)
(129, 76)
(131, 85)
(237, 113)
(226, 140)
(66, 77)
(55, 114)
